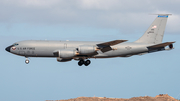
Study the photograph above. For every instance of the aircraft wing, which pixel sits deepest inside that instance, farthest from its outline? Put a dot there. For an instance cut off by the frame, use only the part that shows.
(111, 43)
(104, 47)
(161, 45)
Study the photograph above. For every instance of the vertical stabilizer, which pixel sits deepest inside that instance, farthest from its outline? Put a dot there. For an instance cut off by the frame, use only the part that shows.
(155, 32)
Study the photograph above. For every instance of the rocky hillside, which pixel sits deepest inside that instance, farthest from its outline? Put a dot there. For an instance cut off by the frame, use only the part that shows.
(160, 97)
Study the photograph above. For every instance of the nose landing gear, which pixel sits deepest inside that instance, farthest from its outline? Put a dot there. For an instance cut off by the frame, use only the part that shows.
(86, 63)
(27, 61)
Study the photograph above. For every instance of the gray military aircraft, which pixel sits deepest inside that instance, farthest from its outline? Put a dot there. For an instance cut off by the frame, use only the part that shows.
(65, 51)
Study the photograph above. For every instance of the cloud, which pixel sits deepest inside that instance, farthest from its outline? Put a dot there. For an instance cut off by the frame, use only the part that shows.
(94, 13)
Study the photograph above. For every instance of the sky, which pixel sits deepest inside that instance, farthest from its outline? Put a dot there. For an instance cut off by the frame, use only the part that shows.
(87, 20)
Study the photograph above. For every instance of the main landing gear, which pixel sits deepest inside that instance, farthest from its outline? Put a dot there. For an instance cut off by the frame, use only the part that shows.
(27, 61)
(86, 63)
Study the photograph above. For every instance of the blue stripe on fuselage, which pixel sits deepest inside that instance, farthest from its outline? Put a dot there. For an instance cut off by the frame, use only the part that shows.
(163, 16)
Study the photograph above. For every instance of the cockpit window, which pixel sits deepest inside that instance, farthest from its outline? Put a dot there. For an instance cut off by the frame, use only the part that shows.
(15, 44)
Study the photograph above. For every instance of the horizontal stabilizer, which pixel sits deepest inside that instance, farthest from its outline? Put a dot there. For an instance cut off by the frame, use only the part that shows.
(161, 45)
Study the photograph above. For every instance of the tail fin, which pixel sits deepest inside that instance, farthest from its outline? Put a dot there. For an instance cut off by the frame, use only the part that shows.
(155, 33)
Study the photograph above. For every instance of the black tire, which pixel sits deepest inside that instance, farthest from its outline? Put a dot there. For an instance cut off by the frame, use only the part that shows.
(81, 62)
(87, 62)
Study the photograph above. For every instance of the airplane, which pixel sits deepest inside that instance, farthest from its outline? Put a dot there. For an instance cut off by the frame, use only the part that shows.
(82, 51)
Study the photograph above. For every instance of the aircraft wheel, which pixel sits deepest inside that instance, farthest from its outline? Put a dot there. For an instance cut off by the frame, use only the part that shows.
(81, 62)
(26, 61)
(87, 62)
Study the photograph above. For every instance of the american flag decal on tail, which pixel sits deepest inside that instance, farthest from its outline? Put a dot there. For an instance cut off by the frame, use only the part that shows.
(154, 27)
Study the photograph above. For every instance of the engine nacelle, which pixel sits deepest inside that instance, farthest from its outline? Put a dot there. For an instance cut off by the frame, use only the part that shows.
(86, 49)
(67, 53)
(63, 60)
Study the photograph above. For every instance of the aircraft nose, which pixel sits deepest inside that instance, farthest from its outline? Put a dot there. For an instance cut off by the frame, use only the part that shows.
(8, 48)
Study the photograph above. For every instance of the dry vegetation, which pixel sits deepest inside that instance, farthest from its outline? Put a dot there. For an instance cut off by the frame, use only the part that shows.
(160, 97)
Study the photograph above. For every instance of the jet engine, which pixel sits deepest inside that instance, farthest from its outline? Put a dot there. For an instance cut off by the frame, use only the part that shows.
(86, 49)
(67, 53)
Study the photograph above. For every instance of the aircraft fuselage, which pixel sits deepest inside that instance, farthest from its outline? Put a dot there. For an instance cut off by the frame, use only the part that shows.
(36, 48)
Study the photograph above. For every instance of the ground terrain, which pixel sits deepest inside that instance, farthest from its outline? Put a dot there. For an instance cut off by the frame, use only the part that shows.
(160, 97)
